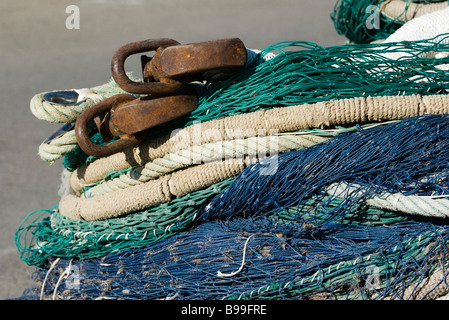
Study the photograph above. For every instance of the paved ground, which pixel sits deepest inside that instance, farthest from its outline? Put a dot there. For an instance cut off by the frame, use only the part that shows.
(38, 53)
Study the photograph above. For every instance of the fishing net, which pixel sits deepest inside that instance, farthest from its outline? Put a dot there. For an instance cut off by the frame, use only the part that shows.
(378, 262)
(306, 73)
(410, 158)
(316, 173)
(365, 21)
(296, 236)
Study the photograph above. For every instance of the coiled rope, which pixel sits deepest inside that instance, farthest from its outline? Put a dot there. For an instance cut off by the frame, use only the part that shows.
(344, 201)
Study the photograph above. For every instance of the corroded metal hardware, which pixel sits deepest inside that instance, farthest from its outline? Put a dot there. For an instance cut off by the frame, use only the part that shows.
(128, 119)
(174, 65)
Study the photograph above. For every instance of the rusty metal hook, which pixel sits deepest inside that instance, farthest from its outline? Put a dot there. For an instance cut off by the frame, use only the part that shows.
(146, 112)
(164, 86)
(129, 118)
(197, 61)
(173, 65)
(88, 115)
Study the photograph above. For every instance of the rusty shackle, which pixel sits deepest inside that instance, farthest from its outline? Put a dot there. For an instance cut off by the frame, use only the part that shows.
(167, 86)
(128, 118)
(174, 64)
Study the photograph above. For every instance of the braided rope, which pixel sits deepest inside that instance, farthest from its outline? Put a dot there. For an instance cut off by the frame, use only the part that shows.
(57, 113)
(284, 119)
(162, 188)
(58, 147)
(405, 11)
(151, 193)
(354, 107)
(427, 206)
(234, 149)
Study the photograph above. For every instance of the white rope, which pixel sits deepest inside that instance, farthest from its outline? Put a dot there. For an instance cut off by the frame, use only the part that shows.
(428, 26)
(404, 10)
(58, 147)
(63, 275)
(427, 206)
(417, 205)
(87, 97)
(57, 113)
(223, 275)
(46, 277)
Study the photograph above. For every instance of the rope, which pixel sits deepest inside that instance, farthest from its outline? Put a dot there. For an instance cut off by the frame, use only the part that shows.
(232, 274)
(57, 113)
(429, 26)
(282, 120)
(353, 110)
(368, 21)
(57, 147)
(418, 205)
(151, 193)
(258, 147)
(404, 11)
(156, 188)
(52, 112)
(54, 263)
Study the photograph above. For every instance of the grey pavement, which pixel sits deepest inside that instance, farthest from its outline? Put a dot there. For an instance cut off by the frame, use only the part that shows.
(38, 53)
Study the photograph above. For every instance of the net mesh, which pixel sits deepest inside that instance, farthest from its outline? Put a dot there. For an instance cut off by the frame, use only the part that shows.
(317, 227)
(362, 21)
(298, 239)
(338, 261)
(304, 72)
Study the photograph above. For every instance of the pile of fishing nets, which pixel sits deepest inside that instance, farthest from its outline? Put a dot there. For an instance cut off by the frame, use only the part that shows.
(312, 173)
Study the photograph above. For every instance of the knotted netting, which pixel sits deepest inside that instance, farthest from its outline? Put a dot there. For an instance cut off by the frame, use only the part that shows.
(365, 21)
(312, 173)
(299, 237)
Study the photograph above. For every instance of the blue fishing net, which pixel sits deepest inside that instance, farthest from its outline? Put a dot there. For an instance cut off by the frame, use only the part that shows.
(289, 236)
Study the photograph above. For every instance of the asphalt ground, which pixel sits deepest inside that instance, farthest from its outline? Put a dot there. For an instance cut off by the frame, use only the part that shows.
(38, 53)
